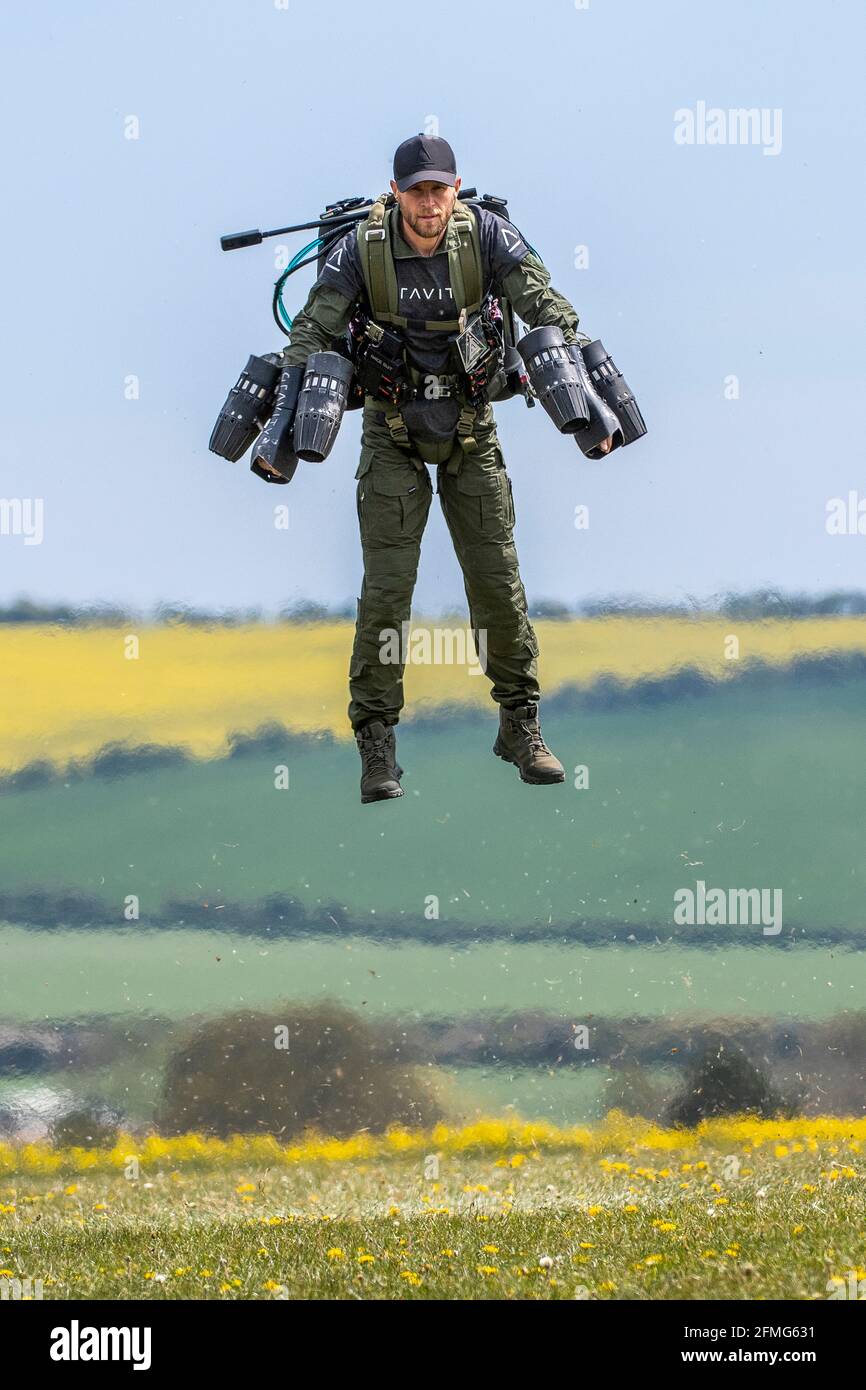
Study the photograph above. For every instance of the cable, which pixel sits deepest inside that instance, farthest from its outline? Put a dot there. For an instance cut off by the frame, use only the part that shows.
(321, 246)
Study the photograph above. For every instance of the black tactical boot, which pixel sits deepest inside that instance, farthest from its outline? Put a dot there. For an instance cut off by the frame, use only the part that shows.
(519, 741)
(380, 771)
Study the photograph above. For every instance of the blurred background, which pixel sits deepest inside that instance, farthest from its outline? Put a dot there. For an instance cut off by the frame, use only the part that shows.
(201, 927)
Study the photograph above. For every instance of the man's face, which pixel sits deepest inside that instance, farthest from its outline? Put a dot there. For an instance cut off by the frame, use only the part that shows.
(427, 206)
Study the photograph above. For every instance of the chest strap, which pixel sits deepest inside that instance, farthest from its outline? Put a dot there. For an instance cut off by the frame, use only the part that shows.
(376, 254)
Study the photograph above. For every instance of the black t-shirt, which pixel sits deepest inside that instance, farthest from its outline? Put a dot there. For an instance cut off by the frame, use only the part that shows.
(425, 294)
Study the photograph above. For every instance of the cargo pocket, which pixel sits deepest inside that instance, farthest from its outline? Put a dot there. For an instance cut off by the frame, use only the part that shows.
(509, 494)
(510, 513)
(390, 499)
(362, 469)
(365, 461)
(492, 509)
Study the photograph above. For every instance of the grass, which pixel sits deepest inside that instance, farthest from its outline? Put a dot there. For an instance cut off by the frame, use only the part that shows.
(731, 1212)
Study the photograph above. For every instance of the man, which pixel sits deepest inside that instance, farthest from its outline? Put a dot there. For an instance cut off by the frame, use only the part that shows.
(438, 428)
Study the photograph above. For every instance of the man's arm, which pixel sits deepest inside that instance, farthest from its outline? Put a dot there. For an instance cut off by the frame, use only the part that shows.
(527, 286)
(329, 305)
(324, 316)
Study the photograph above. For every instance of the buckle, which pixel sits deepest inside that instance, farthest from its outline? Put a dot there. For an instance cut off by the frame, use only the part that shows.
(374, 234)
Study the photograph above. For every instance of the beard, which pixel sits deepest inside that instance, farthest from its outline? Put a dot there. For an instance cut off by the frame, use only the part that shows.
(430, 228)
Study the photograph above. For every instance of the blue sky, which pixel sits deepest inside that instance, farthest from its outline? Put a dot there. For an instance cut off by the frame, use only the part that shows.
(704, 262)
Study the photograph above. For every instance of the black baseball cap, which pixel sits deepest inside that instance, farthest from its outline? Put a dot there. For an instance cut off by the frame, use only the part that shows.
(424, 157)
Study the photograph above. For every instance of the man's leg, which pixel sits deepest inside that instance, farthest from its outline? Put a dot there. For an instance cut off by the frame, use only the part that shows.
(476, 498)
(393, 498)
(475, 494)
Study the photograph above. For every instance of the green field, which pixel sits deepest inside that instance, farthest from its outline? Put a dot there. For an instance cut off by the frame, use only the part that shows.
(61, 975)
(737, 787)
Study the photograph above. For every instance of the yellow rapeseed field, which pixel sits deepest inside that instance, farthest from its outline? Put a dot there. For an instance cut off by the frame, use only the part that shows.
(68, 691)
(512, 1136)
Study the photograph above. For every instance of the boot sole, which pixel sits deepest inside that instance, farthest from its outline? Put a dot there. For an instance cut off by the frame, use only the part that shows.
(385, 796)
(380, 796)
(531, 781)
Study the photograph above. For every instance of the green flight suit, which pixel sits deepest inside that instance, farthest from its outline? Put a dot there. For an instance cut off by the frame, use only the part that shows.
(394, 492)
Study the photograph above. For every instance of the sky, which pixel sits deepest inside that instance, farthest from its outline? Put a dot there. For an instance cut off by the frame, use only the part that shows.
(727, 280)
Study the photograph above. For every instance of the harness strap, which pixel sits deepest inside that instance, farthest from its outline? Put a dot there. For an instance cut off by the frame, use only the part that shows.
(464, 259)
(464, 428)
(374, 246)
(463, 245)
(397, 426)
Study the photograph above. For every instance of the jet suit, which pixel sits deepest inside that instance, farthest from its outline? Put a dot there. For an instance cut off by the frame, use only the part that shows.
(394, 486)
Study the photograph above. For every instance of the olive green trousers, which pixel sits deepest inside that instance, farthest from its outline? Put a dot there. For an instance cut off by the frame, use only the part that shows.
(394, 492)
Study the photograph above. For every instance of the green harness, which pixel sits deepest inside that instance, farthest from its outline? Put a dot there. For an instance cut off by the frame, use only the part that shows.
(380, 279)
